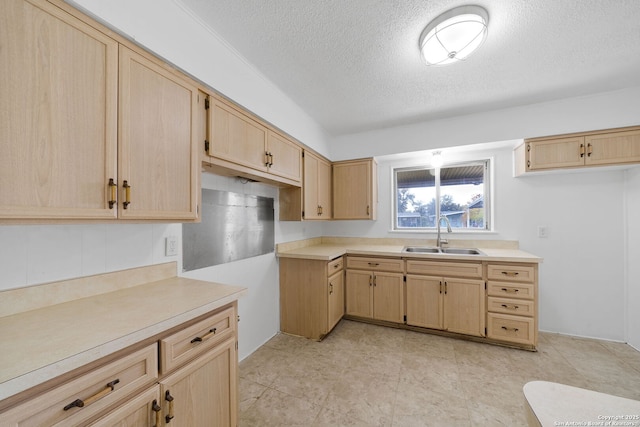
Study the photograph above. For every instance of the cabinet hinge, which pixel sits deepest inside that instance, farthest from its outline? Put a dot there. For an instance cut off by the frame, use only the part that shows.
(206, 145)
(206, 103)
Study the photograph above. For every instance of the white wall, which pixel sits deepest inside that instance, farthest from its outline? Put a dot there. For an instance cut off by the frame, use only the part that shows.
(582, 276)
(598, 111)
(633, 256)
(259, 310)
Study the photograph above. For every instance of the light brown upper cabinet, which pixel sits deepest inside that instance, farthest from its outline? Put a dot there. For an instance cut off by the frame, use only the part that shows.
(241, 145)
(158, 152)
(355, 189)
(58, 115)
(87, 125)
(313, 201)
(599, 148)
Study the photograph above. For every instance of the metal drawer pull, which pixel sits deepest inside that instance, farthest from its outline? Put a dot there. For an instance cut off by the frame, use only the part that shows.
(205, 336)
(169, 398)
(510, 273)
(510, 307)
(511, 290)
(510, 329)
(374, 264)
(330, 288)
(589, 150)
(79, 403)
(581, 150)
(337, 265)
(158, 410)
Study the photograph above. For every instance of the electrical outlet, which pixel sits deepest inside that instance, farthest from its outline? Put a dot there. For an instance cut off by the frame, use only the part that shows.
(171, 246)
(543, 231)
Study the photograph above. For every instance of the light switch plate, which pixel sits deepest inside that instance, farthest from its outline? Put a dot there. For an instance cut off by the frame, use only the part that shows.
(171, 246)
(543, 231)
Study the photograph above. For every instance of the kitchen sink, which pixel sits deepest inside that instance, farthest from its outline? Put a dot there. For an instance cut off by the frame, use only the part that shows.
(421, 249)
(452, 251)
(461, 251)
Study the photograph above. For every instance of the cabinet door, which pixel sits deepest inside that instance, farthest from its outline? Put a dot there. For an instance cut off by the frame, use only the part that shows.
(204, 392)
(237, 138)
(388, 297)
(143, 410)
(464, 306)
(425, 301)
(613, 148)
(556, 153)
(285, 157)
(353, 192)
(58, 114)
(324, 189)
(336, 299)
(359, 293)
(310, 187)
(158, 156)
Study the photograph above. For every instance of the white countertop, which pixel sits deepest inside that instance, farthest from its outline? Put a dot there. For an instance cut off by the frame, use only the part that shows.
(330, 251)
(554, 404)
(42, 344)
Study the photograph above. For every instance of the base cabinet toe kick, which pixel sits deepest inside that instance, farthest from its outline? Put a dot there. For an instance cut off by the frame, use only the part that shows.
(486, 301)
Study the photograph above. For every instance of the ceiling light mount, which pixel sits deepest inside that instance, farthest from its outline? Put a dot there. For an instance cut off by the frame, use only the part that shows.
(453, 35)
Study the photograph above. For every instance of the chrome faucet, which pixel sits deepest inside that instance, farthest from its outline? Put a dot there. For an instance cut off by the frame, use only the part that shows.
(440, 241)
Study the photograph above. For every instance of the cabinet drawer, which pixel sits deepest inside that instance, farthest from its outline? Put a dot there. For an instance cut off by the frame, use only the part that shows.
(438, 268)
(86, 396)
(510, 290)
(196, 339)
(513, 273)
(335, 266)
(376, 264)
(511, 306)
(514, 329)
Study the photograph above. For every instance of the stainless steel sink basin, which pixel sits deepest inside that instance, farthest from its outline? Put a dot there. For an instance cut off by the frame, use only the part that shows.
(461, 251)
(452, 251)
(421, 249)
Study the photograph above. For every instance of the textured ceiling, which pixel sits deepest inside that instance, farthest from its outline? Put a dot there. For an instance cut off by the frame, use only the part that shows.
(354, 65)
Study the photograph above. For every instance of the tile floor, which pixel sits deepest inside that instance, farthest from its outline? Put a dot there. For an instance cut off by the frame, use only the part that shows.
(366, 375)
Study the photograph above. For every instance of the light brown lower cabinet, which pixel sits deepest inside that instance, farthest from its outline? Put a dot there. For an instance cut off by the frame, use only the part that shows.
(446, 303)
(377, 291)
(131, 391)
(311, 296)
(454, 304)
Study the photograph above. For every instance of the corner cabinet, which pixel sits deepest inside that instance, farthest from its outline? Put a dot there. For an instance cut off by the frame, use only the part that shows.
(598, 148)
(242, 145)
(89, 128)
(374, 288)
(355, 189)
(313, 201)
(311, 296)
(190, 379)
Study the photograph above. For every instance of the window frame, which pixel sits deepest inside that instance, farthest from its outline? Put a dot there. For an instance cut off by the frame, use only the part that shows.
(488, 189)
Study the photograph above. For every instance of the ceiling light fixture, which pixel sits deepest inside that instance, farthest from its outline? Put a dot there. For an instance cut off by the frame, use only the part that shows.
(452, 36)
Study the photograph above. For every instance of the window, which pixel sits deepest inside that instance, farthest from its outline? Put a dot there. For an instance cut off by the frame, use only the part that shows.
(462, 191)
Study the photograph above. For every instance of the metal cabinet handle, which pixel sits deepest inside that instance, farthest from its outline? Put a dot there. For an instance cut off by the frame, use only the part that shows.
(113, 189)
(79, 403)
(127, 194)
(510, 273)
(441, 286)
(589, 150)
(158, 413)
(169, 398)
(510, 329)
(510, 307)
(581, 150)
(445, 287)
(510, 290)
(330, 288)
(374, 264)
(205, 337)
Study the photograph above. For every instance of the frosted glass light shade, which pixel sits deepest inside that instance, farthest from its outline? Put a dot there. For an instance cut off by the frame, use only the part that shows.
(454, 35)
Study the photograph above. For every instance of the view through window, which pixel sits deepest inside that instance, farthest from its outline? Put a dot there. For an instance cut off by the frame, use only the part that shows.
(462, 191)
